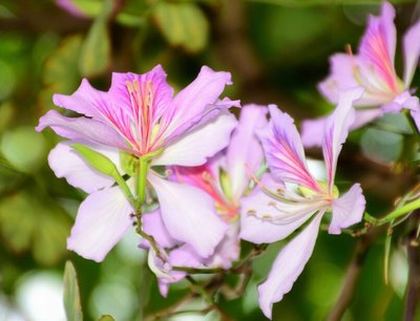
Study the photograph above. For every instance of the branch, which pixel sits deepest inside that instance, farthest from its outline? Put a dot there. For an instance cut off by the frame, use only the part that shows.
(412, 296)
(352, 275)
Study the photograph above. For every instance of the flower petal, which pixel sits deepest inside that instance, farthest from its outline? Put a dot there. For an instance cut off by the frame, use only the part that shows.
(313, 129)
(244, 154)
(154, 226)
(194, 148)
(189, 215)
(287, 267)
(229, 249)
(102, 220)
(67, 163)
(411, 45)
(337, 129)
(81, 129)
(347, 210)
(284, 151)
(377, 46)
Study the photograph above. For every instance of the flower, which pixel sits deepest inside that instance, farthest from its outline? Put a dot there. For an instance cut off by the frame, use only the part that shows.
(140, 117)
(372, 69)
(291, 197)
(224, 179)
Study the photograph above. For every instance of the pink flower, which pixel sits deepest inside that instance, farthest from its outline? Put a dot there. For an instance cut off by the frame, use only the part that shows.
(140, 116)
(291, 197)
(224, 179)
(372, 69)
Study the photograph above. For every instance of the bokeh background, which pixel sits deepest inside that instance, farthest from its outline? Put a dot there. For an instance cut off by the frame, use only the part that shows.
(276, 50)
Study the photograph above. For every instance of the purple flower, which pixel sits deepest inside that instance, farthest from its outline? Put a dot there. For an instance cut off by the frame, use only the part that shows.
(140, 116)
(372, 69)
(223, 180)
(291, 197)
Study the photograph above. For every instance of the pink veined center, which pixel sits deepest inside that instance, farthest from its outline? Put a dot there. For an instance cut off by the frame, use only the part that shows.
(139, 124)
(202, 178)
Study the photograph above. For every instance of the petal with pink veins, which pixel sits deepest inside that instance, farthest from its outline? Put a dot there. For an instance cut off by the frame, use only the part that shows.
(102, 220)
(189, 215)
(287, 267)
(195, 147)
(81, 129)
(154, 226)
(284, 151)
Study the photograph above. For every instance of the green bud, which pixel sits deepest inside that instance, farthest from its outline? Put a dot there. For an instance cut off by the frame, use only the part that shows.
(129, 163)
(97, 160)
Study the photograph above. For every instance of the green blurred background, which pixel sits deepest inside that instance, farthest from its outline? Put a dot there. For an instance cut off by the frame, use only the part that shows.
(276, 50)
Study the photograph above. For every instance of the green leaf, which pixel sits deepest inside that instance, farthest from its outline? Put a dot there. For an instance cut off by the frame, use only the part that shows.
(182, 24)
(106, 318)
(96, 50)
(72, 304)
(24, 149)
(381, 146)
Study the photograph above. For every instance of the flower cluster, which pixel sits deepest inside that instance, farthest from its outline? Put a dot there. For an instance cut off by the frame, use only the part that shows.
(195, 180)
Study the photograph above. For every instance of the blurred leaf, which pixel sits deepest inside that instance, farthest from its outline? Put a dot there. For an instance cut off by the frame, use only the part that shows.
(61, 72)
(182, 24)
(72, 304)
(95, 55)
(303, 3)
(24, 149)
(6, 115)
(381, 146)
(7, 79)
(106, 318)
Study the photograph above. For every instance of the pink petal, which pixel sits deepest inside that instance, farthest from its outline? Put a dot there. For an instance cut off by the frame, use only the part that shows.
(189, 215)
(153, 225)
(228, 250)
(416, 116)
(287, 267)
(102, 220)
(244, 154)
(195, 147)
(378, 45)
(67, 163)
(81, 129)
(337, 129)
(194, 100)
(347, 210)
(284, 151)
(70, 7)
(411, 47)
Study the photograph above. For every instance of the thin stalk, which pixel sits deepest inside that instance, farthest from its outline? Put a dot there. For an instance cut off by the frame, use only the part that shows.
(143, 167)
(407, 208)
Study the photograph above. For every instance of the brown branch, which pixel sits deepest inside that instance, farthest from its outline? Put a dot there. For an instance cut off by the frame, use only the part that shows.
(352, 276)
(412, 296)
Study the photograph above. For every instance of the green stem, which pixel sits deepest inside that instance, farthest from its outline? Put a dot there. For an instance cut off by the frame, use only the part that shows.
(125, 189)
(143, 167)
(409, 207)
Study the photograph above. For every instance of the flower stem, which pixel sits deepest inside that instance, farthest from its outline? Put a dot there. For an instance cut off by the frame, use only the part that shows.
(143, 167)
(409, 207)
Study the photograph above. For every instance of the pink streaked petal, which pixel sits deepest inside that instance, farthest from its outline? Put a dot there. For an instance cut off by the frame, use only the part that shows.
(195, 147)
(153, 225)
(194, 99)
(347, 210)
(403, 101)
(284, 151)
(378, 45)
(189, 215)
(411, 47)
(337, 129)
(257, 230)
(81, 129)
(287, 267)
(67, 163)
(244, 154)
(160, 91)
(102, 220)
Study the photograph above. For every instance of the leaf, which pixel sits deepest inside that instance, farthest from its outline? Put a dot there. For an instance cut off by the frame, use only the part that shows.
(97, 160)
(381, 146)
(96, 50)
(71, 298)
(182, 24)
(15, 145)
(106, 318)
